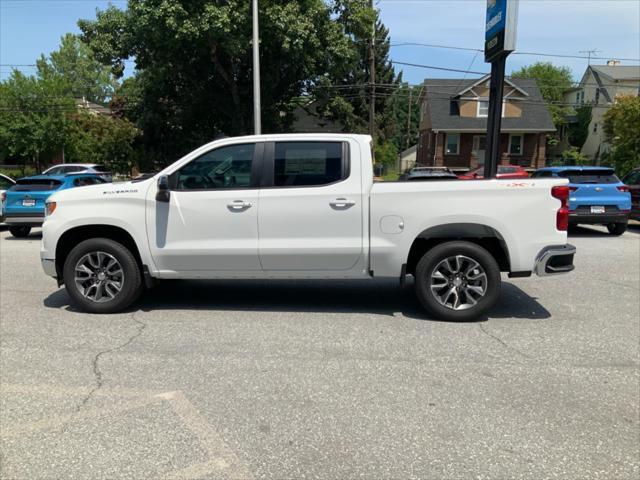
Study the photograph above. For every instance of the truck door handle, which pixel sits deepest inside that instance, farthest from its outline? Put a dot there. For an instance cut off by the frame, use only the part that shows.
(239, 205)
(342, 203)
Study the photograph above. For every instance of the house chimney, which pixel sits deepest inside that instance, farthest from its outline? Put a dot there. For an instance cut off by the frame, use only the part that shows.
(613, 63)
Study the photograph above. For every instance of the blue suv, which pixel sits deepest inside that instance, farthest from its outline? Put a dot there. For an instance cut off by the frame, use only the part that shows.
(596, 196)
(24, 203)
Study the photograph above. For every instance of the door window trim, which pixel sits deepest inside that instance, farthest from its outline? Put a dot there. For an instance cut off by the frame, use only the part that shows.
(256, 170)
(268, 164)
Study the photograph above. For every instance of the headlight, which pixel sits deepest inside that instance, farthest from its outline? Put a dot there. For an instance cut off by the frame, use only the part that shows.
(49, 208)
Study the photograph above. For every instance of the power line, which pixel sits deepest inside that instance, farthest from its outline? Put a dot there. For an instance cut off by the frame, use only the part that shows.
(559, 55)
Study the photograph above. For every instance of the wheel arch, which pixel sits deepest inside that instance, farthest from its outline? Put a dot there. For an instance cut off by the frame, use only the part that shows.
(483, 235)
(72, 237)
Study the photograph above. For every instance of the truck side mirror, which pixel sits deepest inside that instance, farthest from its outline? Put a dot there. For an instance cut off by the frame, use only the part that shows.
(163, 194)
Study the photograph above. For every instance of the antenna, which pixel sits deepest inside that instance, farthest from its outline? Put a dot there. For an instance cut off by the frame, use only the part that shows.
(589, 53)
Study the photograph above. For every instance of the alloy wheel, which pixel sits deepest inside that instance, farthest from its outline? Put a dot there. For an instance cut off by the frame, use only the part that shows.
(99, 276)
(458, 282)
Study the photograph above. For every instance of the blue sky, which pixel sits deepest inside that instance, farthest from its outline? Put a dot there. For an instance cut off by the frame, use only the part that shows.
(31, 27)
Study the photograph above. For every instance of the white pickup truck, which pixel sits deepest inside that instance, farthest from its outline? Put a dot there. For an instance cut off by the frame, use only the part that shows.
(303, 206)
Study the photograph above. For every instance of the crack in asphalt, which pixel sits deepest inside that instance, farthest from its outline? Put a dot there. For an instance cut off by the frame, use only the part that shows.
(501, 342)
(96, 359)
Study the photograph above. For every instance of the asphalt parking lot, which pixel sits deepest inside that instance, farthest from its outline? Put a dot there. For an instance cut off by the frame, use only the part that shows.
(248, 379)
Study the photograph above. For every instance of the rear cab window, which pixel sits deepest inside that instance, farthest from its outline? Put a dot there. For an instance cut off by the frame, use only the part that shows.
(36, 185)
(307, 164)
(589, 176)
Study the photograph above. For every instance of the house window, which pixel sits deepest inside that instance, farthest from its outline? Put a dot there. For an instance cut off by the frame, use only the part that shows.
(597, 95)
(483, 108)
(452, 146)
(578, 97)
(515, 144)
(595, 127)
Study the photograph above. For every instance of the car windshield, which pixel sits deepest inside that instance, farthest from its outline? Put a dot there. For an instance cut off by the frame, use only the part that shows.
(590, 176)
(38, 184)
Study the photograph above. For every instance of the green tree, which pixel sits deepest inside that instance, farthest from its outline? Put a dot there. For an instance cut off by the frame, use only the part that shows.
(75, 64)
(621, 124)
(579, 130)
(32, 117)
(573, 156)
(400, 111)
(553, 82)
(195, 65)
(101, 139)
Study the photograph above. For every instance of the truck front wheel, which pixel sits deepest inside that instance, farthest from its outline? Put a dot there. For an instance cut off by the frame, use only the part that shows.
(457, 281)
(102, 276)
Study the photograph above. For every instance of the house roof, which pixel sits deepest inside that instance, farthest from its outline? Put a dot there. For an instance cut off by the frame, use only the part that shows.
(618, 72)
(440, 92)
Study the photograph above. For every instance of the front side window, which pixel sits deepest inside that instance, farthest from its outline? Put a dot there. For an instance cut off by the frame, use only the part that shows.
(224, 167)
(453, 144)
(515, 145)
(308, 164)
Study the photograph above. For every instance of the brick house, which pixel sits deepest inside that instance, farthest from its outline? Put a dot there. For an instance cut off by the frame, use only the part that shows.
(453, 123)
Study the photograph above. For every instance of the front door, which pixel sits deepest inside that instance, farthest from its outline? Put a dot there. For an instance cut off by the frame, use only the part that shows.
(210, 223)
(311, 207)
(479, 147)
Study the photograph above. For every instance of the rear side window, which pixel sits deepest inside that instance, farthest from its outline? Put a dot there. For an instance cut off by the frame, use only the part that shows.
(590, 176)
(36, 185)
(83, 181)
(304, 164)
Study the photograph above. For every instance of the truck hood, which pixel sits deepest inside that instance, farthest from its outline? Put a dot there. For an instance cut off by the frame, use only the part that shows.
(103, 191)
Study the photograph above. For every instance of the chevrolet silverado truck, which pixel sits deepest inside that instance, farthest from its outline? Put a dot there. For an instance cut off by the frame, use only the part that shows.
(303, 206)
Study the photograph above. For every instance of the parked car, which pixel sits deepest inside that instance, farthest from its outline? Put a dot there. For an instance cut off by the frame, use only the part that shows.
(632, 180)
(429, 173)
(308, 208)
(597, 197)
(5, 184)
(25, 201)
(65, 168)
(504, 171)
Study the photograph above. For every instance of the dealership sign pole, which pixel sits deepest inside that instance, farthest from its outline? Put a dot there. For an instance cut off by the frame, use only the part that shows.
(500, 41)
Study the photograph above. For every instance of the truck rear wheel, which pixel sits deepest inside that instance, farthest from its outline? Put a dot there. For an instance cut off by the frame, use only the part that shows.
(457, 281)
(102, 276)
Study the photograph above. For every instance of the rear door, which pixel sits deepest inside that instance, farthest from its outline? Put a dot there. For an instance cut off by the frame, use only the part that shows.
(311, 207)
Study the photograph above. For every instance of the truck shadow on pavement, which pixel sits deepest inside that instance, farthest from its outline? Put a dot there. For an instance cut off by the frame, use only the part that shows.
(586, 231)
(380, 297)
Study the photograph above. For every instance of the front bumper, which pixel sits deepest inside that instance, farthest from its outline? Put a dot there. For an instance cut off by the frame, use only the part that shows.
(554, 260)
(49, 267)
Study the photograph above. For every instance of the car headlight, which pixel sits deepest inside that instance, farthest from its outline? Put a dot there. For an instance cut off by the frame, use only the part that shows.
(49, 208)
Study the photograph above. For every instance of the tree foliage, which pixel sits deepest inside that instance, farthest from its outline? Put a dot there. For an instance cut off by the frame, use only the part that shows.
(621, 124)
(195, 66)
(76, 66)
(553, 82)
(32, 117)
(579, 130)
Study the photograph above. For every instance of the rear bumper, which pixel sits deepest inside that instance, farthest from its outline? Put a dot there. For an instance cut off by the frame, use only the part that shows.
(595, 218)
(554, 260)
(30, 220)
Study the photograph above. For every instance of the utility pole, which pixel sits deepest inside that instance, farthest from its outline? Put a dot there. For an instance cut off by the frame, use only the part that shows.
(257, 126)
(372, 79)
(589, 53)
(409, 118)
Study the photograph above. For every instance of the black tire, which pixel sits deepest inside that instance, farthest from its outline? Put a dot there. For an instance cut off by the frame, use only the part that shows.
(20, 232)
(617, 229)
(130, 279)
(489, 282)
